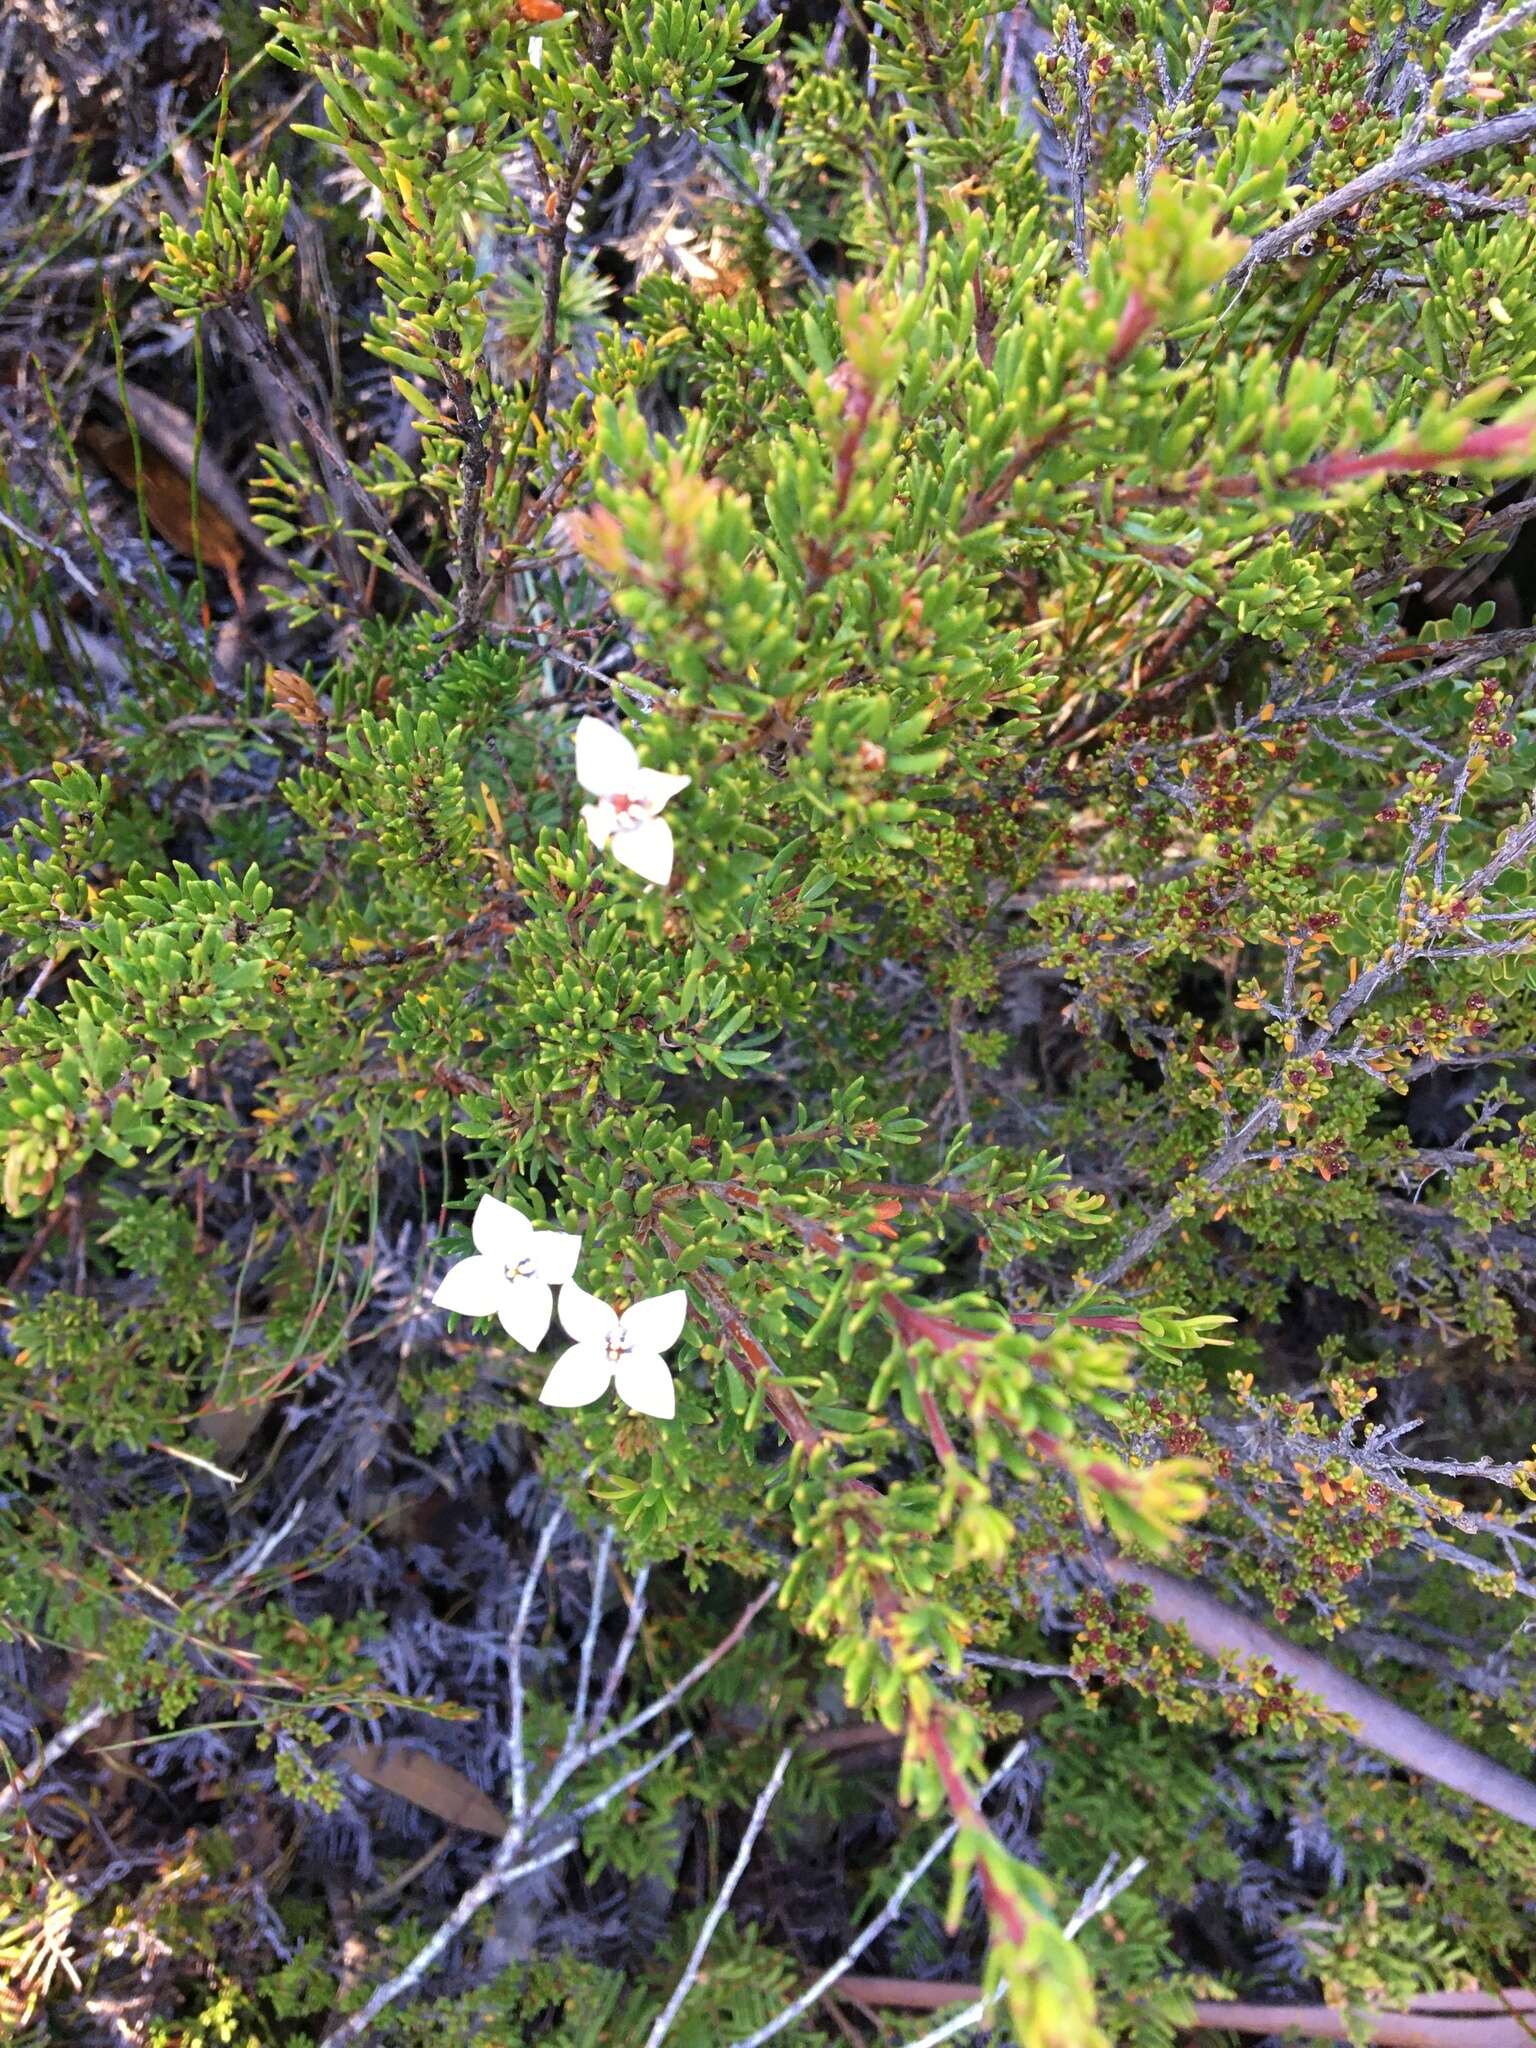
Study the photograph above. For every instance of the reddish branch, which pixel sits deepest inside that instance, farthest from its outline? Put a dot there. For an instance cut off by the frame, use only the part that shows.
(752, 1360)
(927, 1738)
(1483, 444)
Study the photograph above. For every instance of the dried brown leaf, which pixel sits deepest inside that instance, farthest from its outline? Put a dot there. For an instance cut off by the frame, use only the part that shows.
(435, 1787)
(167, 497)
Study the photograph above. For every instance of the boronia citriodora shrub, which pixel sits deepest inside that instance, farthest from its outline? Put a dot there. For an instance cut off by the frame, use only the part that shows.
(769, 959)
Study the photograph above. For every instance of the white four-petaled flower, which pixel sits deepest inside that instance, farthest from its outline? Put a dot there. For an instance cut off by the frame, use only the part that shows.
(512, 1276)
(630, 798)
(621, 1350)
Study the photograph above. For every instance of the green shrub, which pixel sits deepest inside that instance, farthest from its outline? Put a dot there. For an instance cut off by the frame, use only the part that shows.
(1092, 848)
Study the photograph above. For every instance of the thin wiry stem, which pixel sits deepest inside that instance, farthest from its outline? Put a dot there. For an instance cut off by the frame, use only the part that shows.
(515, 1665)
(625, 1650)
(589, 1640)
(717, 1911)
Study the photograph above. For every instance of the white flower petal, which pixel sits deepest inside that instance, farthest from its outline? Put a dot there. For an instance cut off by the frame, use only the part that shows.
(599, 821)
(656, 1325)
(647, 849)
(554, 1254)
(644, 1384)
(473, 1287)
(605, 761)
(525, 1311)
(585, 1318)
(500, 1232)
(657, 789)
(578, 1377)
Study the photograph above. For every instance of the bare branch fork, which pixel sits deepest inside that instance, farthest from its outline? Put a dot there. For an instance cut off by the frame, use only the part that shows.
(537, 1837)
(1515, 846)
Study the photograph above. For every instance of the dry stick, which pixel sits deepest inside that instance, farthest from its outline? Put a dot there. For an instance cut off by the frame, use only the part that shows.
(49, 1754)
(1316, 2022)
(47, 547)
(1382, 2029)
(515, 1666)
(622, 1655)
(717, 1911)
(502, 1870)
(589, 1640)
(1499, 133)
(1501, 1999)
(1485, 32)
(603, 1743)
(1392, 1731)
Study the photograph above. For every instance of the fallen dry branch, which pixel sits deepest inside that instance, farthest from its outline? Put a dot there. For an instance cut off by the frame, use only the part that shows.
(1303, 2022)
(1221, 1630)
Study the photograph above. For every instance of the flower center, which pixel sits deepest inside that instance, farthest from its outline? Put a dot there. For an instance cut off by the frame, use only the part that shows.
(617, 1345)
(628, 812)
(523, 1270)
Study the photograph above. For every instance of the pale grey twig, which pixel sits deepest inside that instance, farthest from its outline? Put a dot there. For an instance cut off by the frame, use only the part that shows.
(47, 547)
(1502, 132)
(523, 1833)
(589, 1640)
(51, 1751)
(1489, 26)
(717, 1911)
(37, 984)
(601, 1744)
(625, 1650)
(515, 1665)
(1103, 1892)
(1021, 1665)
(255, 1555)
(972, 2016)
